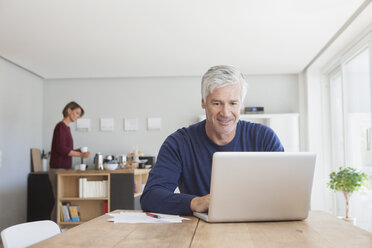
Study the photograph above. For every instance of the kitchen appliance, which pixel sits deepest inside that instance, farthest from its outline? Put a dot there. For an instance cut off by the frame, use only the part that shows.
(253, 110)
(122, 160)
(149, 162)
(109, 158)
(98, 161)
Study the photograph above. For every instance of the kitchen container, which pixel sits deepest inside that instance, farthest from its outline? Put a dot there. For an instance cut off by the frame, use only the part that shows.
(110, 166)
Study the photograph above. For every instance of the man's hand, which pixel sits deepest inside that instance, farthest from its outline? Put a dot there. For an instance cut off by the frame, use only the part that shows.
(200, 204)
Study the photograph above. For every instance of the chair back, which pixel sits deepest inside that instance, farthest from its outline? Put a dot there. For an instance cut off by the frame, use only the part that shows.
(26, 234)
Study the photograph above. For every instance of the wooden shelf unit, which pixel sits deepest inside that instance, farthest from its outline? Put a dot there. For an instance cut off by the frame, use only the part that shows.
(122, 194)
(140, 179)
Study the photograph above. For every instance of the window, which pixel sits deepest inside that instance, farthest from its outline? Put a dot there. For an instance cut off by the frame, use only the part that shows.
(357, 109)
(350, 122)
(336, 119)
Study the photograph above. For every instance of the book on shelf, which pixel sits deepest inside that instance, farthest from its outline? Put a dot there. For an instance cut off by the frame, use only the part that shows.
(82, 187)
(92, 188)
(105, 207)
(60, 212)
(74, 213)
(65, 213)
(69, 213)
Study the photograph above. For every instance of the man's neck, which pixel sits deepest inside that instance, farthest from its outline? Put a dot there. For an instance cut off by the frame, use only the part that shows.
(219, 138)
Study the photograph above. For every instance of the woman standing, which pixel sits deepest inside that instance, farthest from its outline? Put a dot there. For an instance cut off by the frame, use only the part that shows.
(62, 147)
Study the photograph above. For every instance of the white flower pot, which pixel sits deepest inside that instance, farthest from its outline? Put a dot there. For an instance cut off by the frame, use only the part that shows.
(351, 220)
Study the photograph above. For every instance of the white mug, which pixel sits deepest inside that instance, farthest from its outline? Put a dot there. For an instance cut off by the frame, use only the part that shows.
(84, 149)
(83, 167)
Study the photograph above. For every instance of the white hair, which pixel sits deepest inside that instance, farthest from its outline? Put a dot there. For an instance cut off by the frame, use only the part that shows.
(220, 76)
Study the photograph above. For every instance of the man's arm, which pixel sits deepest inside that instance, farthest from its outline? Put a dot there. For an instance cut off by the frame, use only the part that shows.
(272, 142)
(158, 195)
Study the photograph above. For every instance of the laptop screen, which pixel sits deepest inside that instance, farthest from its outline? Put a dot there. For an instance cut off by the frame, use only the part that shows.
(261, 186)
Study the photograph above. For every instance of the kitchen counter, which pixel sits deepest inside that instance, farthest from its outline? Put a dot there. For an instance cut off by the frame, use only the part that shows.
(133, 171)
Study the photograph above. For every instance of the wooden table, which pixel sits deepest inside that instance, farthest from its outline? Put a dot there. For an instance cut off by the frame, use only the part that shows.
(319, 230)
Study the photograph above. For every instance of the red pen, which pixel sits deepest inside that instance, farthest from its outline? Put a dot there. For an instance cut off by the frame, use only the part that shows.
(153, 215)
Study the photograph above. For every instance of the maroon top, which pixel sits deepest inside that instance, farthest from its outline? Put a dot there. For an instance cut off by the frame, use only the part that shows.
(62, 144)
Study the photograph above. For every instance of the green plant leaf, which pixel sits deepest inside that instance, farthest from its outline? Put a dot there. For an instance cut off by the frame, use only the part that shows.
(347, 180)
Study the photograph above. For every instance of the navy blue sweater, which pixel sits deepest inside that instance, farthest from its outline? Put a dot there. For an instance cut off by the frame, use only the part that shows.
(185, 160)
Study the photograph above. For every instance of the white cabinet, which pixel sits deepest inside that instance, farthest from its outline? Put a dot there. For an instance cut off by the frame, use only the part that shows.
(286, 126)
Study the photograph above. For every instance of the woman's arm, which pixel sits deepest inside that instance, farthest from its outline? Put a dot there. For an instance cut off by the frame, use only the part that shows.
(79, 154)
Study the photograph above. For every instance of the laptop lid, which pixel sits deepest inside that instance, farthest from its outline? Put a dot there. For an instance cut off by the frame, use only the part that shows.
(260, 186)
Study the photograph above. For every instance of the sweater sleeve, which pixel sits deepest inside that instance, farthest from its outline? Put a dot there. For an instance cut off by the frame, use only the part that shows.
(60, 136)
(158, 195)
(272, 142)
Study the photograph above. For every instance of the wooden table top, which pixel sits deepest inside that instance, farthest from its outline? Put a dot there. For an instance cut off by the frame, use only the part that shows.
(320, 229)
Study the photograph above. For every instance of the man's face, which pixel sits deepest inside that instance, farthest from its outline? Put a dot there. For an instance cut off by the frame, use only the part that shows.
(222, 109)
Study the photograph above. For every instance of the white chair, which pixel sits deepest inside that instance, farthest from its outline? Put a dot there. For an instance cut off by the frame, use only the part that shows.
(29, 233)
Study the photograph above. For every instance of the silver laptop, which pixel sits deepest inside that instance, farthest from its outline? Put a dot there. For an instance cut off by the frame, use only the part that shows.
(260, 186)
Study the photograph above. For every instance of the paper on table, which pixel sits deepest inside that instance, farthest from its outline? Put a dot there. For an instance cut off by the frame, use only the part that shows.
(135, 217)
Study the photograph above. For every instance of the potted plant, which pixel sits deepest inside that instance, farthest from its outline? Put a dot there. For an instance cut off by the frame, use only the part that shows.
(347, 180)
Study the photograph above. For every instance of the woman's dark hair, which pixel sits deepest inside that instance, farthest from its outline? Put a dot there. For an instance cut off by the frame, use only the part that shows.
(72, 106)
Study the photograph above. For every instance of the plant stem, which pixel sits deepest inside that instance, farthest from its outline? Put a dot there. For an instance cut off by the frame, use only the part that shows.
(347, 199)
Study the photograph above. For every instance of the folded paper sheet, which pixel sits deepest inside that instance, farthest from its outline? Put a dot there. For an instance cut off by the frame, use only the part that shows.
(135, 217)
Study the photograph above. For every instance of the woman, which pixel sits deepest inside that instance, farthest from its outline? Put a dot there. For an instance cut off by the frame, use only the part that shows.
(62, 146)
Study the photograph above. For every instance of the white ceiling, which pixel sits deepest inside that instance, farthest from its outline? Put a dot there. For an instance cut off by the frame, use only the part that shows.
(150, 38)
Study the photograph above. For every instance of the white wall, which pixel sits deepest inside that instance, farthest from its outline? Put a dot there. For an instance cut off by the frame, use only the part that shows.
(20, 129)
(277, 93)
(176, 100)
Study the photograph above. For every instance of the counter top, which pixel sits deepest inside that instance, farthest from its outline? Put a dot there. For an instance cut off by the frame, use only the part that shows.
(79, 172)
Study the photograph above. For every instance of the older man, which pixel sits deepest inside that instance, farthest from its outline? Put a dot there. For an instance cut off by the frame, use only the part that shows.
(185, 158)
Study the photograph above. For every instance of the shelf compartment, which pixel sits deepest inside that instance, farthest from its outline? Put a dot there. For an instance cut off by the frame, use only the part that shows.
(88, 209)
(69, 184)
(120, 192)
